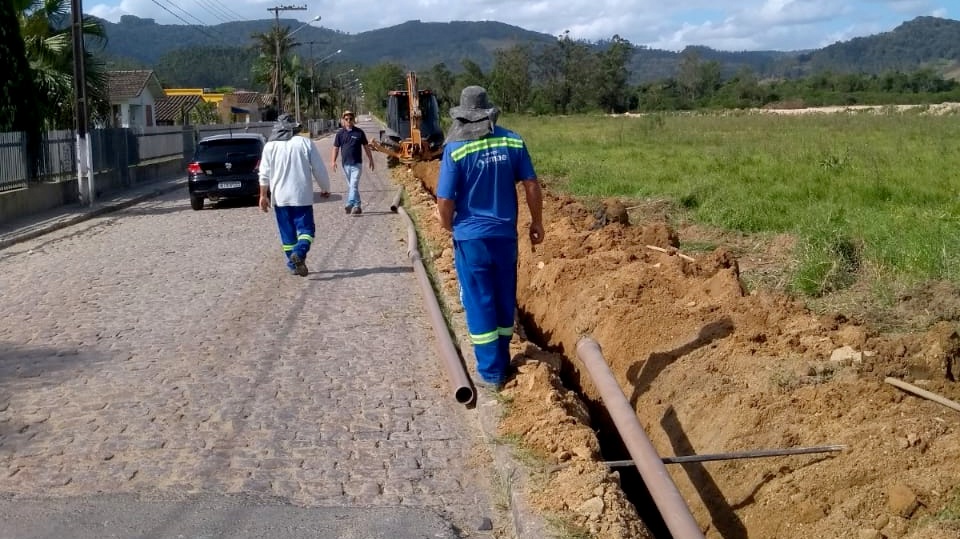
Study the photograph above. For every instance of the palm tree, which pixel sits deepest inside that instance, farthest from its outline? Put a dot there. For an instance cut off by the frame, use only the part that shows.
(49, 47)
(17, 106)
(276, 42)
(297, 80)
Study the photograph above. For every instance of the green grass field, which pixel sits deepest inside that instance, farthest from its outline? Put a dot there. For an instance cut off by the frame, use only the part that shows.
(863, 190)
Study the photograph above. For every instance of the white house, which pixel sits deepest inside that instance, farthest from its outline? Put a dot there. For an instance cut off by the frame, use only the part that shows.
(133, 97)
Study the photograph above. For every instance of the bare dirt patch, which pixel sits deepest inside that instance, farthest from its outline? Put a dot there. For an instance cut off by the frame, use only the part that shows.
(711, 368)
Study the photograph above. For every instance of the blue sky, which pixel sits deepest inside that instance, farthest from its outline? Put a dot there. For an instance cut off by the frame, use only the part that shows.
(733, 25)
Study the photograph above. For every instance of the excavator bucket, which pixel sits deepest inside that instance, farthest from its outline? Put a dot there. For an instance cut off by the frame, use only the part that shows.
(412, 130)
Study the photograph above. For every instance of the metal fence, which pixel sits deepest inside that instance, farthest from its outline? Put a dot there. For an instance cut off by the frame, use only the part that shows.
(113, 148)
(317, 127)
(55, 157)
(14, 169)
(157, 142)
(262, 128)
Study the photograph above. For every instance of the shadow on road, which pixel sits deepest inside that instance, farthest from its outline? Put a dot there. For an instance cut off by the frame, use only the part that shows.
(27, 368)
(331, 275)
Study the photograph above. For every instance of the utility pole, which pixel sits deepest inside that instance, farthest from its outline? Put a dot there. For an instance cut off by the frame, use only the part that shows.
(296, 95)
(278, 90)
(84, 152)
(312, 76)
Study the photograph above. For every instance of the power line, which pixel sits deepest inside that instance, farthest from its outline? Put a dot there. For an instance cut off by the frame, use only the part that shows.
(227, 10)
(218, 13)
(185, 12)
(179, 18)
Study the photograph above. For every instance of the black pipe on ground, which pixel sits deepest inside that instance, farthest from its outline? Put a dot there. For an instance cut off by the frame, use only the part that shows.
(395, 204)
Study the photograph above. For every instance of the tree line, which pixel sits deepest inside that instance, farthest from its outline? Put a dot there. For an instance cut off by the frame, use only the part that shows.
(565, 76)
(574, 77)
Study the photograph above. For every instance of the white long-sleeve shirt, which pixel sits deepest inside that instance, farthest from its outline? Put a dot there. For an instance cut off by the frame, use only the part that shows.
(286, 167)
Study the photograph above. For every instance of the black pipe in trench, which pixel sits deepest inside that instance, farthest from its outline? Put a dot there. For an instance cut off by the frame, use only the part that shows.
(673, 508)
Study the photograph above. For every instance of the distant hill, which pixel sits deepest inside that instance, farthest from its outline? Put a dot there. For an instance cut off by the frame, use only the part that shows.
(652, 64)
(922, 42)
(421, 45)
(144, 41)
(413, 44)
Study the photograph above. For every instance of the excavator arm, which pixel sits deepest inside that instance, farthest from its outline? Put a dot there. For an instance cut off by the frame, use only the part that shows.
(412, 148)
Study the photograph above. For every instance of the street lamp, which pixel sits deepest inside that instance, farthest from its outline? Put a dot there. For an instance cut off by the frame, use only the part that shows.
(329, 56)
(347, 90)
(341, 86)
(313, 63)
(304, 25)
(280, 64)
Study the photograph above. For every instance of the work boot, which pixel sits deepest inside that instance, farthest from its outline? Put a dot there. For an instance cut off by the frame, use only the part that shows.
(493, 387)
(299, 266)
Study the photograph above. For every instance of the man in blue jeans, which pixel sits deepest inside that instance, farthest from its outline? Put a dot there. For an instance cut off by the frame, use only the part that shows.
(348, 142)
(477, 201)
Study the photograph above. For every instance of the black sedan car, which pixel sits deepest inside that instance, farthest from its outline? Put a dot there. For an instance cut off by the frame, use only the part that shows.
(225, 166)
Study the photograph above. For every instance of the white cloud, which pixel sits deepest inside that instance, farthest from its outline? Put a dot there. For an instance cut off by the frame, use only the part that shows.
(789, 12)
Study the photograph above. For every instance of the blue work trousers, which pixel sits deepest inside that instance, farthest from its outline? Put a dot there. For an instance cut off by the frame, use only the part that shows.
(296, 230)
(487, 271)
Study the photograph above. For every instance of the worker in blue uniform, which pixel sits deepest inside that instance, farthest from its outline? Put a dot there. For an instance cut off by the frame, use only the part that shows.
(477, 201)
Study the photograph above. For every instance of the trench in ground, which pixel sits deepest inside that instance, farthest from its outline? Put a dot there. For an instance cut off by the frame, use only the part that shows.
(611, 445)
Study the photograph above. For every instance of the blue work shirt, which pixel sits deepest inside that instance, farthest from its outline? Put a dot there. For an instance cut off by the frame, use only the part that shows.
(480, 177)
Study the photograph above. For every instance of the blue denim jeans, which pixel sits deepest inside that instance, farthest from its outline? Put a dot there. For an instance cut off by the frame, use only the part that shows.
(352, 174)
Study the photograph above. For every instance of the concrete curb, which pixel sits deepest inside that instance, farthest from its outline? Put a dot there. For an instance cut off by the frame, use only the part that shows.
(525, 522)
(57, 223)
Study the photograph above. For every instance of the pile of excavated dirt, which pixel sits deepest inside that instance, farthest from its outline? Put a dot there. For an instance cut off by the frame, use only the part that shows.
(711, 369)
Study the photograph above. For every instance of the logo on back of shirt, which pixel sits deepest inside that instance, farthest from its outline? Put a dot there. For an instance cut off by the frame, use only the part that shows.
(492, 157)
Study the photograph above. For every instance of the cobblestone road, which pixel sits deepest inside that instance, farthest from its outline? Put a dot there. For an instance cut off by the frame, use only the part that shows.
(162, 349)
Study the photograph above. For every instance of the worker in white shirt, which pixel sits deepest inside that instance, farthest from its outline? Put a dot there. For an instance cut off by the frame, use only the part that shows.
(287, 168)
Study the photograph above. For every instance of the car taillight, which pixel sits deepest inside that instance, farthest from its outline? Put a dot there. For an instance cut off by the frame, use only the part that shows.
(256, 168)
(194, 168)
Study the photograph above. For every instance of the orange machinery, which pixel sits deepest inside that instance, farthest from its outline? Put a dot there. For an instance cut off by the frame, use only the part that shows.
(412, 130)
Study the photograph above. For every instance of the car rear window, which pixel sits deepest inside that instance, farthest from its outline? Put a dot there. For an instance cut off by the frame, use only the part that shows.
(217, 150)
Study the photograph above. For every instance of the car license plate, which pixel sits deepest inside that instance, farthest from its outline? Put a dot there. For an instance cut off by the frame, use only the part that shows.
(228, 185)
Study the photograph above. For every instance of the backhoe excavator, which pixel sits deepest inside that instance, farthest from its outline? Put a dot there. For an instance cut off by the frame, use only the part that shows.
(413, 130)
